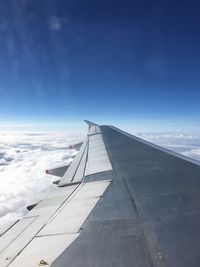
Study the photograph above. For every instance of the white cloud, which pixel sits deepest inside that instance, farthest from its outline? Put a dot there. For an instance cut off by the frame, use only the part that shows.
(193, 153)
(55, 23)
(185, 143)
(24, 157)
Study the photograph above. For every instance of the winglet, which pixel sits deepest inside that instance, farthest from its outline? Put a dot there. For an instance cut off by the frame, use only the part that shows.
(90, 123)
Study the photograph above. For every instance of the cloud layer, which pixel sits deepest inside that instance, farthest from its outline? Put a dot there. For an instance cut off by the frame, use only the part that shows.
(184, 143)
(24, 157)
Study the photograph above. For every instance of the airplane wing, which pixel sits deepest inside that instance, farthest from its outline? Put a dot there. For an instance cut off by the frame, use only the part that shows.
(121, 202)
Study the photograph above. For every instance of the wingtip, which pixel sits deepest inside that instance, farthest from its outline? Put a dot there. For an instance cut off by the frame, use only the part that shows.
(90, 123)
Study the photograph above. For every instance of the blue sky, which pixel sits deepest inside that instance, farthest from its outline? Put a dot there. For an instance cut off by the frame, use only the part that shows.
(120, 62)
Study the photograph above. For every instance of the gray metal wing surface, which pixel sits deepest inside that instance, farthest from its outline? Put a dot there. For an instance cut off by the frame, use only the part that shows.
(121, 202)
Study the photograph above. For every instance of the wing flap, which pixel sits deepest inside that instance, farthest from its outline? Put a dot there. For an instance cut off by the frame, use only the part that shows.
(58, 171)
(43, 249)
(72, 215)
(17, 238)
(50, 227)
(5, 227)
(98, 159)
(71, 171)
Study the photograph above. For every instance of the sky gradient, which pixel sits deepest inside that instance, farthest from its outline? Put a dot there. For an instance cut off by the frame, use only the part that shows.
(119, 62)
